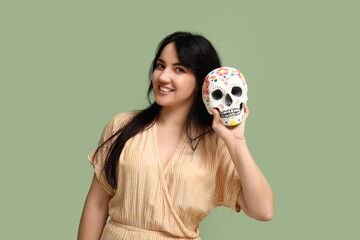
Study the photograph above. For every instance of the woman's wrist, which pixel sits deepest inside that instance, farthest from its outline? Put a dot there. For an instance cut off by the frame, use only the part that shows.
(234, 143)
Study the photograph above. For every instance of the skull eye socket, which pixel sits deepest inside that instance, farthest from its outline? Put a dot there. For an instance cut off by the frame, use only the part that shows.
(236, 91)
(217, 94)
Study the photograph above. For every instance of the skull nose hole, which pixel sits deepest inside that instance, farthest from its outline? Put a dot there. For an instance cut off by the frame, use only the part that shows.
(241, 106)
(228, 100)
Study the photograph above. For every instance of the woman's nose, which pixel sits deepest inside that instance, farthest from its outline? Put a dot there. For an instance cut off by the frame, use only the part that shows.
(165, 76)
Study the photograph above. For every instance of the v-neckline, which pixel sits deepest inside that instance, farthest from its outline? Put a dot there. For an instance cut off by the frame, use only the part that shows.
(163, 167)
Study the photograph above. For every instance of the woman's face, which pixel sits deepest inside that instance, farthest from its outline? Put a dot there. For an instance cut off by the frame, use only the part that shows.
(174, 85)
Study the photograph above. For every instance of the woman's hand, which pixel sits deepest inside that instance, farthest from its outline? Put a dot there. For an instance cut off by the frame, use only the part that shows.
(229, 133)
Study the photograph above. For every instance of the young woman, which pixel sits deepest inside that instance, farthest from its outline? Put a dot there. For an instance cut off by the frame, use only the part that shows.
(160, 171)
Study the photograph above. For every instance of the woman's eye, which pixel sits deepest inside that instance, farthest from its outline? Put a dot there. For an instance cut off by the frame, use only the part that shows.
(159, 65)
(180, 70)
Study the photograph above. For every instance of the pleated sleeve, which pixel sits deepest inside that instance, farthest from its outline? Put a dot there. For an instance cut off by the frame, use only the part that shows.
(228, 183)
(98, 161)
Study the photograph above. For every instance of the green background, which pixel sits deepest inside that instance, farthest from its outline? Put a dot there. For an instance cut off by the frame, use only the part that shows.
(66, 67)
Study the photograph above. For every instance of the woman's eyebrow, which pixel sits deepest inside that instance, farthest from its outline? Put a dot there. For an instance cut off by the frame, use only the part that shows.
(179, 64)
(175, 64)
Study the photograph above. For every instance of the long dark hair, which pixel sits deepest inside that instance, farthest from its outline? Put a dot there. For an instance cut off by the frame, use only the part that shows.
(194, 52)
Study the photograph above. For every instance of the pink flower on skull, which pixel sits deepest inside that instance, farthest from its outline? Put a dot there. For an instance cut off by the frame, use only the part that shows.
(239, 74)
(206, 86)
(222, 71)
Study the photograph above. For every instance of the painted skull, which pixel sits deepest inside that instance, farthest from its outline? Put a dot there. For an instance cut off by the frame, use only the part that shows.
(225, 88)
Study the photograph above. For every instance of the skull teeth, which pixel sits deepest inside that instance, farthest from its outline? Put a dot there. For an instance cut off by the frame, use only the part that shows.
(230, 113)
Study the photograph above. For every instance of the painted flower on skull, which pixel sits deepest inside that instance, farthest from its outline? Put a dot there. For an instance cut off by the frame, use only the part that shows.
(233, 122)
(222, 71)
(241, 76)
(206, 86)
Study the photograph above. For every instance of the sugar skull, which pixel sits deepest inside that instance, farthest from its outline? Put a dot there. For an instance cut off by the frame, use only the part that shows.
(225, 88)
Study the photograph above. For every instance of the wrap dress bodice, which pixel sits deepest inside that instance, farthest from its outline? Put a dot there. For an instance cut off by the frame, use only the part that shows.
(153, 201)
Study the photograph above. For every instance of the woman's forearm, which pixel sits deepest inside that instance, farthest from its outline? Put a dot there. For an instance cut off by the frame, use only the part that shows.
(257, 194)
(93, 220)
(95, 213)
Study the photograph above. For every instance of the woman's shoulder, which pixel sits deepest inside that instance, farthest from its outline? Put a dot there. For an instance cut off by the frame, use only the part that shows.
(119, 120)
(123, 116)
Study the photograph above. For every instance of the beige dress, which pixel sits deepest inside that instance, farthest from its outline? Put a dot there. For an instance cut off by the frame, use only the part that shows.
(157, 202)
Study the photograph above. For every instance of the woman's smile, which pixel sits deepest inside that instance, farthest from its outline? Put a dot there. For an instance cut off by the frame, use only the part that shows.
(164, 89)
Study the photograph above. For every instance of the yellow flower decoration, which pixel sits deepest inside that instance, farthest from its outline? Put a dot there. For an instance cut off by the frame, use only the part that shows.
(233, 122)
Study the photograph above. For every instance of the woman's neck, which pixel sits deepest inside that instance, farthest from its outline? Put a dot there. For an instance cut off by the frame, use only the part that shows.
(174, 118)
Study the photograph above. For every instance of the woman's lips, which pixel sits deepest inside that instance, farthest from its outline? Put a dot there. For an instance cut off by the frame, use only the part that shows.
(164, 89)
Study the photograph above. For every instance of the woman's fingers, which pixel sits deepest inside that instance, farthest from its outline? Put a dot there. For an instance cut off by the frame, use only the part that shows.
(246, 112)
(216, 115)
(216, 120)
